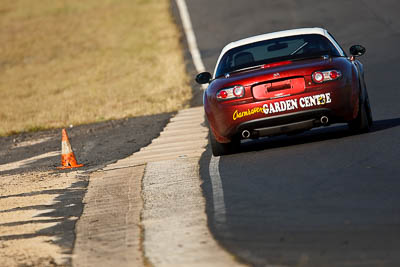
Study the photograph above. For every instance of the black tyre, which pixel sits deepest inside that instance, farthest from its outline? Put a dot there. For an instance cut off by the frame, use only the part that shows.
(220, 149)
(363, 122)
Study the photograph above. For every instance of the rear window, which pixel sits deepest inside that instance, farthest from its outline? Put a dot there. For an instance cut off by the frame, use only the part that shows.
(279, 49)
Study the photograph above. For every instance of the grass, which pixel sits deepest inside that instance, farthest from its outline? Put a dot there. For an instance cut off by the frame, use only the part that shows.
(73, 62)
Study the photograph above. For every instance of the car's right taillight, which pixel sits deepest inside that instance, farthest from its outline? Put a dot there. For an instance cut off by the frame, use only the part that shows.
(325, 76)
(236, 91)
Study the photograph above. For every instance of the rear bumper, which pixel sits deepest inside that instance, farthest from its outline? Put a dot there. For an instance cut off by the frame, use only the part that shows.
(228, 120)
(287, 123)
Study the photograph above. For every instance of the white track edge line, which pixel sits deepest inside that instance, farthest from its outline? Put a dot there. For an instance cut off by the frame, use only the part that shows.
(190, 37)
(218, 191)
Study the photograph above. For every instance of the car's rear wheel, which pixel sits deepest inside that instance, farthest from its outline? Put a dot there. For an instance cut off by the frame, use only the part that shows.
(220, 149)
(363, 122)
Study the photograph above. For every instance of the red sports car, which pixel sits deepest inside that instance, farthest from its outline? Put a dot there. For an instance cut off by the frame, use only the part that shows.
(283, 82)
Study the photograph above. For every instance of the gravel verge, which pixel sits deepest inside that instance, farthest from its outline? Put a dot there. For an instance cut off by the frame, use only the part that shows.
(41, 205)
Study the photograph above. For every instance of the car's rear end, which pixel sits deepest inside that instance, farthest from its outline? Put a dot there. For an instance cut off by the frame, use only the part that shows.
(298, 92)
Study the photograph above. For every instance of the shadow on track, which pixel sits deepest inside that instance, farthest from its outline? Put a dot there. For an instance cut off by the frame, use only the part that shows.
(316, 135)
(297, 212)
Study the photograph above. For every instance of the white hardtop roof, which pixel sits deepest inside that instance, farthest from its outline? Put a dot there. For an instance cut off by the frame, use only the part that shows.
(273, 35)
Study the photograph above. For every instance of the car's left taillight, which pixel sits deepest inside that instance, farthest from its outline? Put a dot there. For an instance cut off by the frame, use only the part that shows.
(325, 76)
(234, 92)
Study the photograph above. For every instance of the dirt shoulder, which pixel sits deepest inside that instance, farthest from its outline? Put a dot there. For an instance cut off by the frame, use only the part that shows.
(40, 205)
(38, 215)
(94, 144)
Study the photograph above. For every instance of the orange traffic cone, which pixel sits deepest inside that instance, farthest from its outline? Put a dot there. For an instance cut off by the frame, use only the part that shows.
(68, 159)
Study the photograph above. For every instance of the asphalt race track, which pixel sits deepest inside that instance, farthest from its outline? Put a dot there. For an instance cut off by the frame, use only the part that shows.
(325, 197)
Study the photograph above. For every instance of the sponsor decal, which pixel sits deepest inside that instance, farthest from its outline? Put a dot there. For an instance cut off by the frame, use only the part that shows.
(240, 114)
(292, 104)
(286, 105)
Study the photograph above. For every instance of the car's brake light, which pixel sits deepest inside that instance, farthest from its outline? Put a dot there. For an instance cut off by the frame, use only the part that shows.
(236, 91)
(276, 64)
(324, 76)
(333, 74)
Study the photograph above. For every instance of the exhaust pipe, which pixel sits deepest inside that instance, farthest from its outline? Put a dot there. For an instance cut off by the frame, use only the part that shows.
(245, 134)
(324, 120)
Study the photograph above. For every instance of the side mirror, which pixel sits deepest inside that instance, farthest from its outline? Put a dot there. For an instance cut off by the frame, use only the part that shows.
(357, 50)
(203, 78)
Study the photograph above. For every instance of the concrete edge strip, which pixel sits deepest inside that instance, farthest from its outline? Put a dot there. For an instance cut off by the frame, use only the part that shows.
(174, 219)
(200, 247)
(163, 184)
